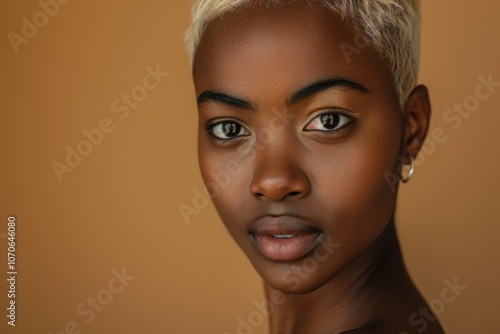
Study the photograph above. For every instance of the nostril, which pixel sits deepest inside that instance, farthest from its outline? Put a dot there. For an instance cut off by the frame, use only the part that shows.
(278, 197)
(277, 185)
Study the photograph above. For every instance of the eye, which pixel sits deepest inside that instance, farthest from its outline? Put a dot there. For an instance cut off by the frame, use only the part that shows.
(227, 130)
(328, 122)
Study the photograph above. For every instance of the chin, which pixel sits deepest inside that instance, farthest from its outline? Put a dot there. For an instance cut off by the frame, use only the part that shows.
(305, 287)
(297, 277)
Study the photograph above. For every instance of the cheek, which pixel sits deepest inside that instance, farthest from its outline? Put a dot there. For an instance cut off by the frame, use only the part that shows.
(357, 194)
(226, 178)
(367, 194)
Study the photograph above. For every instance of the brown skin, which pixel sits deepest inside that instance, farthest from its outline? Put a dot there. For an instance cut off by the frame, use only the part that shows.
(336, 179)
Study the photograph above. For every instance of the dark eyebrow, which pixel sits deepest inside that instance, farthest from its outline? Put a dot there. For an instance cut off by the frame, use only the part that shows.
(301, 94)
(222, 98)
(322, 85)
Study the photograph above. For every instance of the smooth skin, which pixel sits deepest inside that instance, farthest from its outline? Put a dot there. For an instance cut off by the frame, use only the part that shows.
(313, 134)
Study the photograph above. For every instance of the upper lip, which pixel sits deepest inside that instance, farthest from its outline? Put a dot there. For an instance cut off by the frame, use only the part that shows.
(269, 225)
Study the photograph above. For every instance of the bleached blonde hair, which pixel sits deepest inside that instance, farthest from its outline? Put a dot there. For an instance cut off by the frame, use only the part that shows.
(391, 27)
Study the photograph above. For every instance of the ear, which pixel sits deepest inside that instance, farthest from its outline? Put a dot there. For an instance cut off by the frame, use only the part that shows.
(417, 114)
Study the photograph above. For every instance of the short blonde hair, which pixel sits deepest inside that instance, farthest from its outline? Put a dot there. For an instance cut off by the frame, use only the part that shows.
(391, 27)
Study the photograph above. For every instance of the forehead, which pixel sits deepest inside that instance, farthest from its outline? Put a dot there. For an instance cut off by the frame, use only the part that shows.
(283, 46)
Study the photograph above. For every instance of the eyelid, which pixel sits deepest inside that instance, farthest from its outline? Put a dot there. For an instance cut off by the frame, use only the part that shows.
(216, 121)
(340, 111)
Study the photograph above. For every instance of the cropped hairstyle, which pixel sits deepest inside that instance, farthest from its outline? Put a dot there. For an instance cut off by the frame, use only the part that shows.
(390, 27)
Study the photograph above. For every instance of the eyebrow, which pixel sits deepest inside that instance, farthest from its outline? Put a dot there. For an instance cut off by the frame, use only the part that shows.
(300, 95)
(217, 97)
(322, 85)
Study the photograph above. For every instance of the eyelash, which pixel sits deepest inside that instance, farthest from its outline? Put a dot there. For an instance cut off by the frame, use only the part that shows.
(211, 124)
(334, 111)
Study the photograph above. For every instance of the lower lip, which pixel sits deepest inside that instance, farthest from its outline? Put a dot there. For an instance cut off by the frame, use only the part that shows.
(289, 249)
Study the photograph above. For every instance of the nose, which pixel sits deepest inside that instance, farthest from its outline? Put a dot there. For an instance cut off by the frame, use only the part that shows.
(279, 176)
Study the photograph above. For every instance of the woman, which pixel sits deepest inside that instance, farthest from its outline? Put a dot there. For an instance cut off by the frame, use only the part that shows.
(314, 107)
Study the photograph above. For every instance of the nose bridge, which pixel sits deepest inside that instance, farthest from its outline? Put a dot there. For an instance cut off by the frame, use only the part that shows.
(278, 172)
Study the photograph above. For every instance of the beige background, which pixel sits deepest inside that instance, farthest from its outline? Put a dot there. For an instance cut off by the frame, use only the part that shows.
(119, 207)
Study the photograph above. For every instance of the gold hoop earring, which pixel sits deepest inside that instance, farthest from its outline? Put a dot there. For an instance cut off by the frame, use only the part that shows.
(408, 176)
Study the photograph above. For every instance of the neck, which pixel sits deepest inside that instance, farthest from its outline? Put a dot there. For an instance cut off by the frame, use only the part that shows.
(353, 298)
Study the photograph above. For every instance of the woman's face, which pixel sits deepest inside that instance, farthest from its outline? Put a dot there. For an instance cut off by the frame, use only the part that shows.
(299, 128)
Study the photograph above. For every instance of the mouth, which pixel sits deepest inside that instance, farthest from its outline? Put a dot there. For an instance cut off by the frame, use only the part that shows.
(284, 238)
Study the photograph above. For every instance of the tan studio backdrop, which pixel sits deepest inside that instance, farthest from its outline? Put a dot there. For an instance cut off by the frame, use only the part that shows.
(98, 150)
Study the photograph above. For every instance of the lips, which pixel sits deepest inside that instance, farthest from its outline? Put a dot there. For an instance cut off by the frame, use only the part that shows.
(284, 238)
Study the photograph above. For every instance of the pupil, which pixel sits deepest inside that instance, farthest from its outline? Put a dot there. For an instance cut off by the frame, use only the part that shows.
(330, 121)
(231, 129)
